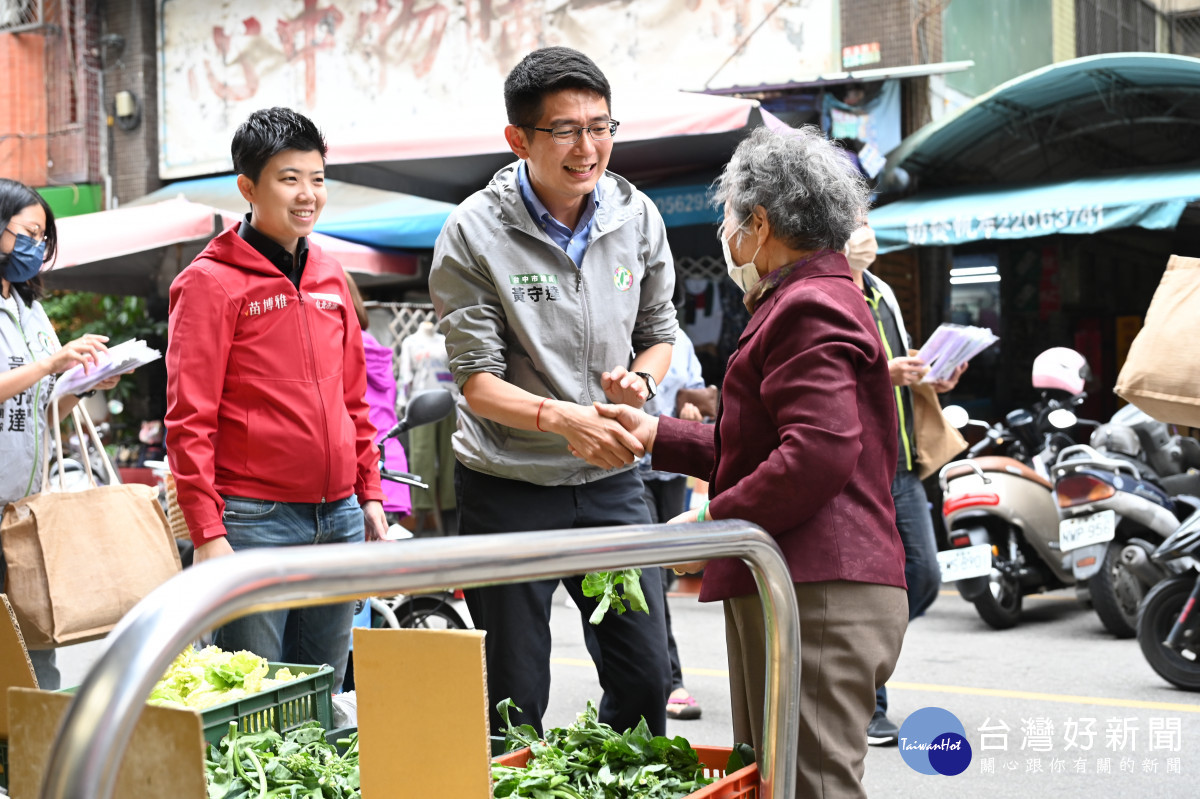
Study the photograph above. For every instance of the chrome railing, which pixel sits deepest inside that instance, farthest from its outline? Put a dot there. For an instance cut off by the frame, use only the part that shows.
(99, 723)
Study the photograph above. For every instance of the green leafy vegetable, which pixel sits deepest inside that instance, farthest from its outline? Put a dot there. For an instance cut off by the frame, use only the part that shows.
(590, 760)
(300, 765)
(604, 585)
(210, 676)
(740, 756)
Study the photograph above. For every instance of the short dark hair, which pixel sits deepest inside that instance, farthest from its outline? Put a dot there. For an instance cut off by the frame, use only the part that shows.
(15, 197)
(268, 132)
(545, 71)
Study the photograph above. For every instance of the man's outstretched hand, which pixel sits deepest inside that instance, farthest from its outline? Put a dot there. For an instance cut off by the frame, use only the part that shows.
(599, 440)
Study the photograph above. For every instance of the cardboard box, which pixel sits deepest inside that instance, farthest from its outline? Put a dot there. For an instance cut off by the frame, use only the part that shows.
(422, 717)
(422, 714)
(164, 757)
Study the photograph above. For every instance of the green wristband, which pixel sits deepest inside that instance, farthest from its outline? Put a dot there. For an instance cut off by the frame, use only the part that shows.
(703, 511)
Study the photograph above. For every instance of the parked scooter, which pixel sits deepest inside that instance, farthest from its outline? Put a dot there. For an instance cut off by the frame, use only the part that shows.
(436, 610)
(1000, 513)
(1111, 493)
(1168, 625)
(440, 609)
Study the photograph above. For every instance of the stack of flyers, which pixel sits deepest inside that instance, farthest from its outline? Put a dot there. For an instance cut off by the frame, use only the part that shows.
(951, 346)
(118, 360)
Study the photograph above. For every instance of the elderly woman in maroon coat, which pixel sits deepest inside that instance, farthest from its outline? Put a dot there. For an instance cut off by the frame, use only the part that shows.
(804, 446)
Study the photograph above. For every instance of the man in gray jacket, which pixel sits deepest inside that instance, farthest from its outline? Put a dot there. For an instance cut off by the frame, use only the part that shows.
(553, 285)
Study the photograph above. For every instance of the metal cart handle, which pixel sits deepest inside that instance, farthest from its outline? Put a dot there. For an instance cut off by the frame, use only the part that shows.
(96, 730)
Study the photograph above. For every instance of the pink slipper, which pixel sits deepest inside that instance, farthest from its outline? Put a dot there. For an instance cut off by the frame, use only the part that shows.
(683, 708)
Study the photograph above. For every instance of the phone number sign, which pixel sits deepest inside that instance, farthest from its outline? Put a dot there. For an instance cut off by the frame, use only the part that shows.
(1153, 201)
(1015, 225)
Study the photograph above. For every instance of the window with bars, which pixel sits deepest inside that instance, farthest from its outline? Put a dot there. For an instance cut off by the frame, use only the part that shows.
(1115, 26)
(20, 15)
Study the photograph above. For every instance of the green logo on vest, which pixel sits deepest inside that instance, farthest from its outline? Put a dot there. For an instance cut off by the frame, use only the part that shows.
(622, 278)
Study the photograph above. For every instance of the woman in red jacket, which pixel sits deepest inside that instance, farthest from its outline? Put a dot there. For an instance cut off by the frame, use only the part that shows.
(804, 446)
(268, 431)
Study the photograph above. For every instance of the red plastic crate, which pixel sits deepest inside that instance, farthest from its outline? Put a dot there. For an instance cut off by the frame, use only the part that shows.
(741, 784)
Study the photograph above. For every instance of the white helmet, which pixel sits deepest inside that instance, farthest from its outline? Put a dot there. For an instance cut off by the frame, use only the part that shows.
(1061, 368)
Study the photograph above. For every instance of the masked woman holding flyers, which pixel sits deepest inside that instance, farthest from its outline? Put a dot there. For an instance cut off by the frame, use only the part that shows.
(804, 446)
(30, 359)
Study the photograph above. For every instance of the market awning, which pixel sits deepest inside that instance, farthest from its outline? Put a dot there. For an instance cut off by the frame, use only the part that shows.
(1153, 200)
(662, 134)
(138, 250)
(369, 216)
(1108, 113)
(824, 79)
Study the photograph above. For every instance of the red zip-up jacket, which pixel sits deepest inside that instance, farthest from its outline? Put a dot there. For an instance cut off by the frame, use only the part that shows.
(265, 386)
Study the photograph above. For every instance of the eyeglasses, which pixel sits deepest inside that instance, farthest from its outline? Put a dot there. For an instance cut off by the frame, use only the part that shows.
(38, 237)
(569, 134)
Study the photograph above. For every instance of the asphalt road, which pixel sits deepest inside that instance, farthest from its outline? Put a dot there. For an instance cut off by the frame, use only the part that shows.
(1043, 679)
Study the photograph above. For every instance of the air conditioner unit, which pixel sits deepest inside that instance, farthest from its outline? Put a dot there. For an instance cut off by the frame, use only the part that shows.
(19, 14)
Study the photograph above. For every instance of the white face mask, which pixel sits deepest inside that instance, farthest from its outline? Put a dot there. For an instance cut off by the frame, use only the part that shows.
(861, 249)
(744, 275)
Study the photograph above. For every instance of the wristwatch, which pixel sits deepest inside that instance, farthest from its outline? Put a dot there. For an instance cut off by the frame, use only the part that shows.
(651, 385)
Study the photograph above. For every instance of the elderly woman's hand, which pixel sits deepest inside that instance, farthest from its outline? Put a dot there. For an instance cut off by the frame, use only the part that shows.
(695, 566)
(642, 425)
(591, 435)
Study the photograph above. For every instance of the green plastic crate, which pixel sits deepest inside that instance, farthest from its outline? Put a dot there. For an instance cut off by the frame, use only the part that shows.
(306, 698)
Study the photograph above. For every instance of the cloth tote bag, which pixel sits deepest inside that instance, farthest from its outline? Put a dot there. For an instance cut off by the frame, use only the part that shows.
(1161, 374)
(938, 442)
(78, 561)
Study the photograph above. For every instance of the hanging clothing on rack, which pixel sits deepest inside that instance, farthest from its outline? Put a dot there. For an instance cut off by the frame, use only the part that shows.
(424, 366)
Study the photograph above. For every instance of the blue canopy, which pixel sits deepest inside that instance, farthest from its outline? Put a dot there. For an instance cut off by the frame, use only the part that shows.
(1115, 112)
(686, 205)
(959, 216)
(360, 214)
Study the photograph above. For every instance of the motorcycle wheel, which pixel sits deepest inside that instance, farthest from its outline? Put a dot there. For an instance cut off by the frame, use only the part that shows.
(1159, 611)
(1000, 605)
(425, 613)
(1117, 593)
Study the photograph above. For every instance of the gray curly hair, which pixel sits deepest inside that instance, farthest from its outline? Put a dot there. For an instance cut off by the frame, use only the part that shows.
(813, 195)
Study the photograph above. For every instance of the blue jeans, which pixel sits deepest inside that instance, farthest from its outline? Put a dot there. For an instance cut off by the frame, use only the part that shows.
(311, 635)
(921, 570)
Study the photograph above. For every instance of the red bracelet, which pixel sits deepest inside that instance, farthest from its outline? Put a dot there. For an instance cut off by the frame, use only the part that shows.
(537, 422)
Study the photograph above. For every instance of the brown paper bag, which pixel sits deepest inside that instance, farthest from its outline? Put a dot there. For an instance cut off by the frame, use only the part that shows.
(1161, 374)
(78, 561)
(937, 440)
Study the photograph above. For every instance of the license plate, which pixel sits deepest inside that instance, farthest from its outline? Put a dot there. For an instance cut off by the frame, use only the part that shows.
(1084, 530)
(962, 564)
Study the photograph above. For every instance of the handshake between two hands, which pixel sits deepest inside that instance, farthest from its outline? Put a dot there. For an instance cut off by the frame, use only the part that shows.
(617, 434)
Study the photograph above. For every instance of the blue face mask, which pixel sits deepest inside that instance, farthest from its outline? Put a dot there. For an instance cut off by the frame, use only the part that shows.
(25, 260)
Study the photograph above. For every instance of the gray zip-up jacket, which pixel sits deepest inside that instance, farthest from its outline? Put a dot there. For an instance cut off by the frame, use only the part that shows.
(513, 304)
(24, 338)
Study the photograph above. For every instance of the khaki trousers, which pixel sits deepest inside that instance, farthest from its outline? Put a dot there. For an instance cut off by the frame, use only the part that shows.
(850, 637)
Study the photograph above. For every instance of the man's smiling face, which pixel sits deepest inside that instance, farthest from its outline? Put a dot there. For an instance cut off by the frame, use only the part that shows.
(563, 174)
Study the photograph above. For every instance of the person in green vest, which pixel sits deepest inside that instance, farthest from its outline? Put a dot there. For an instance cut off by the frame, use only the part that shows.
(913, 520)
(30, 360)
